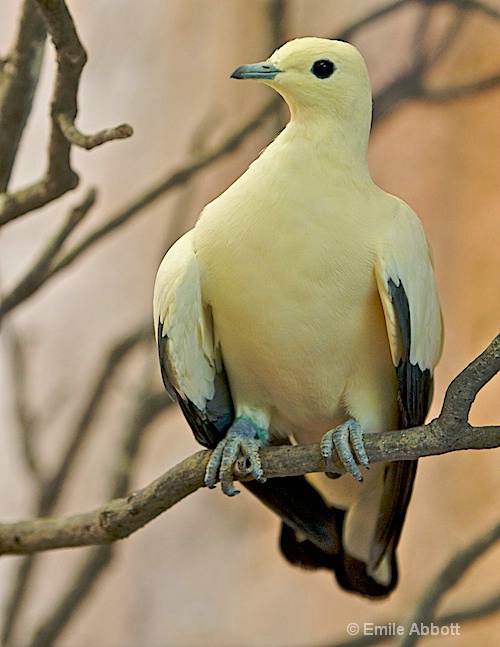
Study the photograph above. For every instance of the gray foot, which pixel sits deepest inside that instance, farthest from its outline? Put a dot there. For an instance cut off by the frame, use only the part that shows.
(237, 452)
(347, 439)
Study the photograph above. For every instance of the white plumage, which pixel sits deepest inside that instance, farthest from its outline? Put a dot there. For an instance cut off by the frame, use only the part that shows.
(298, 280)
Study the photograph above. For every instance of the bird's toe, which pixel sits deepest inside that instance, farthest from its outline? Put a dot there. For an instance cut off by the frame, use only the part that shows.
(238, 454)
(348, 442)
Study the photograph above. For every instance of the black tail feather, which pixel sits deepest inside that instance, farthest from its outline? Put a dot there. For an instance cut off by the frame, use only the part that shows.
(311, 534)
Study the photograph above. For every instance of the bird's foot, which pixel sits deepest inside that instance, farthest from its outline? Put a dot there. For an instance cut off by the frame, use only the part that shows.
(237, 454)
(347, 439)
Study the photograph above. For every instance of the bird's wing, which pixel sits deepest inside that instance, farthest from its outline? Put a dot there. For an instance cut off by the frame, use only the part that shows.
(191, 364)
(408, 292)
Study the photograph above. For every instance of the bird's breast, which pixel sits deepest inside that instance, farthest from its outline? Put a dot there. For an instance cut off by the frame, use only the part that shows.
(294, 302)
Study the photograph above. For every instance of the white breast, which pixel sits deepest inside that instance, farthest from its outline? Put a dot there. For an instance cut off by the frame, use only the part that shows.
(296, 310)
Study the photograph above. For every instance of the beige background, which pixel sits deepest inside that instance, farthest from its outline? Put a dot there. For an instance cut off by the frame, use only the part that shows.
(209, 573)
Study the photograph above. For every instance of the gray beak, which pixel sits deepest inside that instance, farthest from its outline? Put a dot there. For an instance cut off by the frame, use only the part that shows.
(264, 70)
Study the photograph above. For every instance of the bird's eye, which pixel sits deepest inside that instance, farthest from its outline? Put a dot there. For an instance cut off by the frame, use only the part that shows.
(323, 68)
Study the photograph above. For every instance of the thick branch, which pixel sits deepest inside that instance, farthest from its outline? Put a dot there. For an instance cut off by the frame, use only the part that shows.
(18, 82)
(123, 516)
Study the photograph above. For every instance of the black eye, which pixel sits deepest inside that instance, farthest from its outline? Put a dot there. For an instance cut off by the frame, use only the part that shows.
(323, 68)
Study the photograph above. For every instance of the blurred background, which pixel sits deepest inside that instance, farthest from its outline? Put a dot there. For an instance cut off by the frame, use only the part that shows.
(83, 416)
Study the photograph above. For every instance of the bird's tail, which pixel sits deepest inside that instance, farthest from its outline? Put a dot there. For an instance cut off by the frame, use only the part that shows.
(311, 534)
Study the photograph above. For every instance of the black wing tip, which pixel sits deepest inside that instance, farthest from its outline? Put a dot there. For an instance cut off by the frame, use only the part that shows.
(208, 432)
(415, 384)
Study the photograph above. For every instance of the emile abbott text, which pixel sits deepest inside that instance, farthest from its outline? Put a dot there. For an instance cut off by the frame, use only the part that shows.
(416, 628)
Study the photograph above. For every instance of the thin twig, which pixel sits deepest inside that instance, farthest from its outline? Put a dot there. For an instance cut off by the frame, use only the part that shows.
(470, 5)
(460, 616)
(369, 19)
(82, 584)
(172, 181)
(74, 136)
(147, 406)
(449, 36)
(37, 274)
(440, 95)
(91, 409)
(23, 577)
(54, 485)
(446, 580)
(26, 417)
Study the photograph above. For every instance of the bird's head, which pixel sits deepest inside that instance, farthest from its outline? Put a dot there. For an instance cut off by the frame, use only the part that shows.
(316, 76)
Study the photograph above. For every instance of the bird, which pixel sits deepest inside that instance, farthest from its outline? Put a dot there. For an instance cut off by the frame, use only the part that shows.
(303, 308)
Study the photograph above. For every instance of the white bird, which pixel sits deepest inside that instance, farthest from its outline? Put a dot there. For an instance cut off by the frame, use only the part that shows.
(301, 308)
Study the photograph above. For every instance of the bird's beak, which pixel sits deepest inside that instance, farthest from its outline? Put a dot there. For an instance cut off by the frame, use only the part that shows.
(264, 70)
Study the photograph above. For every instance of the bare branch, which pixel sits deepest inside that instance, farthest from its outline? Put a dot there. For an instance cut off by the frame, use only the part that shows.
(74, 136)
(91, 409)
(461, 616)
(473, 612)
(461, 91)
(60, 176)
(277, 13)
(26, 417)
(469, 5)
(83, 583)
(123, 516)
(147, 406)
(446, 580)
(172, 181)
(370, 18)
(463, 390)
(54, 485)
(38, 273)
(18, 82)
(23, 578)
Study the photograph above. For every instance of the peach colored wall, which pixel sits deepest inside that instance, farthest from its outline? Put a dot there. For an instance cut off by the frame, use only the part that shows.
(208, 573)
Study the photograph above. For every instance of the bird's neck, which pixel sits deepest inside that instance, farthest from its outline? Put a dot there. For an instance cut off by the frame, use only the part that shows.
(340, 139)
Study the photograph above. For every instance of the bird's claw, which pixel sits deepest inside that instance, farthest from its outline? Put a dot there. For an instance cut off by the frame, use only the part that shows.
(347, 439)
(237, 454)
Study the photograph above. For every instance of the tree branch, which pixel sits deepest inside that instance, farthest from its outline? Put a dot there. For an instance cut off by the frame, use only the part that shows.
(409, 85)
(27, 419)
(446, 580)
(121, 517)
(173, 180)
(59, 176)
(74, 136)
(54, 485)
(37, 274)
(147, 406)
(18, 82)
(476, 611)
